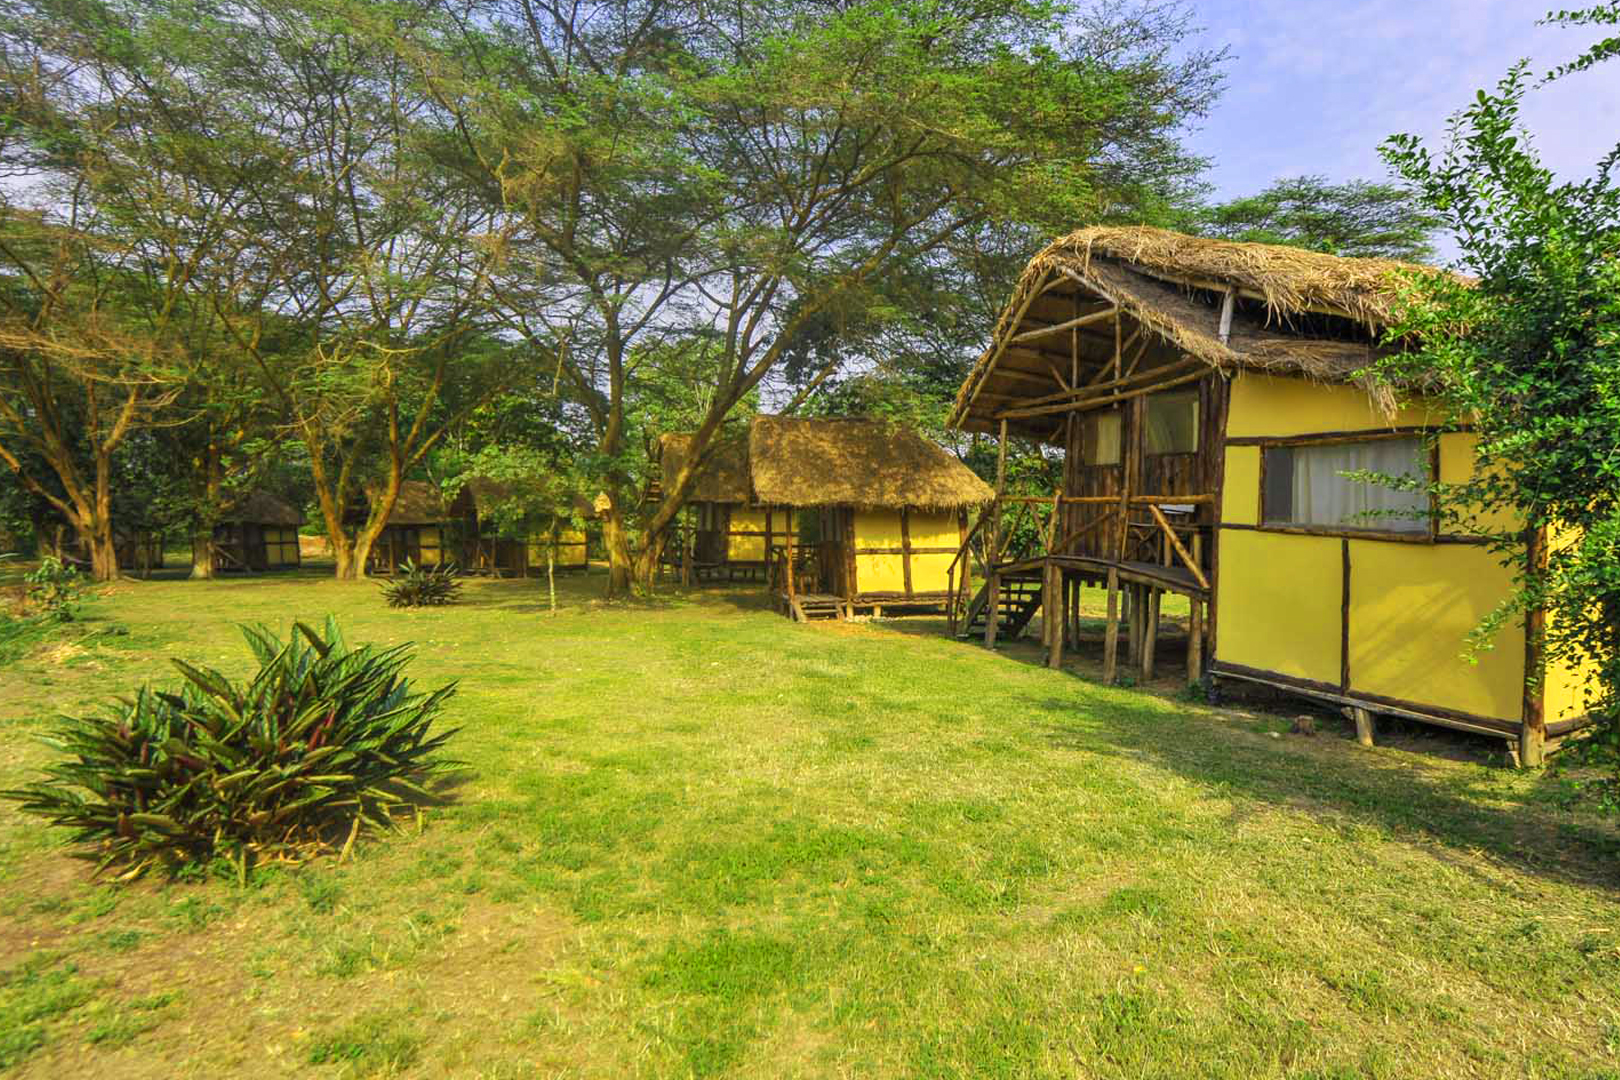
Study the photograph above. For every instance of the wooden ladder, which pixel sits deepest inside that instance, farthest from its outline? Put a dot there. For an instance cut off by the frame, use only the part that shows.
(1018, 599)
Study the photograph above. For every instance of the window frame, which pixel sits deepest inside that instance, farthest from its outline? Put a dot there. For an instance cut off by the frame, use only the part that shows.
(1428, 535)
(1195, 395)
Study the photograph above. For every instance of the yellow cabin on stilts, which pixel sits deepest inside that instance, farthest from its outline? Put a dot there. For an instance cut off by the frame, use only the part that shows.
(1215, 403)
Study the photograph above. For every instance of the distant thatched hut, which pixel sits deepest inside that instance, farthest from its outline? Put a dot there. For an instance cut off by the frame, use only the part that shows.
(258, 532)
(485, 550)
(731, 534)
(420, 530)
(891, 511)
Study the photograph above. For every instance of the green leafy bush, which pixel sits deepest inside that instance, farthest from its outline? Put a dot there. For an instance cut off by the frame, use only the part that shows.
(321, 739)
(423, 586)
(54, 588)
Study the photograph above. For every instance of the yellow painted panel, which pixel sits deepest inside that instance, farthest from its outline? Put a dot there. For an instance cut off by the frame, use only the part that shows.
(428, 540)
(1282, 405)
(1411, 609)
(878, 573)
(1240, 499)
(1457, 466)
(930, 573)
(933, 530)
(1280, 603)
(746, 548)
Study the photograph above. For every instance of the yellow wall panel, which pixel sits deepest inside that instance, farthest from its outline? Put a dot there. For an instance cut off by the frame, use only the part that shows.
(1240, 496)
(878, 573)
(746, 548)
(933, 530)
(931, 573)
(1280, 601)
(429, 541)
(1457, 466)
(1280, 405)
(1412, 607)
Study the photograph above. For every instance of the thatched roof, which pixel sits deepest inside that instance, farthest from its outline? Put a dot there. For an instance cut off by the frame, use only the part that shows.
(262, 508)
(861, 463)
(1296, 312)
(723, 478)
(419, 503)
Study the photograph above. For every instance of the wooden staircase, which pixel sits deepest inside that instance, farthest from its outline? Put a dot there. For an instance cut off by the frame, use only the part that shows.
(1018, 599)
(815, 607)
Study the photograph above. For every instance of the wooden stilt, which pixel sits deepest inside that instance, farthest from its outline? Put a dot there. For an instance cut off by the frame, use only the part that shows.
(1532, 746)
(1054, 574)
(1150, 632)
(1195, 642)
(992, 604)
(1111, 637)
(1365, 727)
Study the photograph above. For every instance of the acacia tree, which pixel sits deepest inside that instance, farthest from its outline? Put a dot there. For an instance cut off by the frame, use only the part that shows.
(1360, 218)
(1528, 354)
(677, 170)
(363, 274)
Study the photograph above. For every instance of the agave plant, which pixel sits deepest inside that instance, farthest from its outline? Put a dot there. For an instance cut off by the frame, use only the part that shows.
(324, 738)
(423, 586)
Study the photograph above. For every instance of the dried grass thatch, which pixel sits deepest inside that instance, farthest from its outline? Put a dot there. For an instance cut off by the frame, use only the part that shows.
(860, 463)
(262, 508)
(1171, 283)
(722, 478)
(419, 503)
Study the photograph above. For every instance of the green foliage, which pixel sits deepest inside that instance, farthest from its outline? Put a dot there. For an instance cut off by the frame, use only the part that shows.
(1528, 353)
(54, 588)
(423, 586)
(1359, 218)
(321, 737)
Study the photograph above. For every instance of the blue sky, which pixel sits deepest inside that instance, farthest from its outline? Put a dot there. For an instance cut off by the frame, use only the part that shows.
(1315, 85)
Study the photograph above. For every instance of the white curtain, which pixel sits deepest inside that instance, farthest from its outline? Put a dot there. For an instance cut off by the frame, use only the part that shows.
(1323, 495)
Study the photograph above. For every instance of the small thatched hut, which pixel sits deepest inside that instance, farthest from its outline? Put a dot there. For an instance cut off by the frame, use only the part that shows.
(890, 511)
(485, 550)
(731, 534)
(258, 532)
(422, 528)
(1213, 401)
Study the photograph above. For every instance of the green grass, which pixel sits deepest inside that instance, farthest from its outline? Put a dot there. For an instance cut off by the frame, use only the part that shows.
(697, 840)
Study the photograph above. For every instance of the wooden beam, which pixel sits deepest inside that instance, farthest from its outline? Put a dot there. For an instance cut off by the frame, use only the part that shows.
(1227, 303)
(1057, 328)
(1088, 404)
(1086, 393)
(1175, 541)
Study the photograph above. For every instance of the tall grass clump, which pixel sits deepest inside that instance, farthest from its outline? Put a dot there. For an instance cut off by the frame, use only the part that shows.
(423, 586)
(322, 739)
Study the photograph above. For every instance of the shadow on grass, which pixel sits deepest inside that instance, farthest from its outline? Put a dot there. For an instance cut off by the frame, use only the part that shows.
(1383, 790)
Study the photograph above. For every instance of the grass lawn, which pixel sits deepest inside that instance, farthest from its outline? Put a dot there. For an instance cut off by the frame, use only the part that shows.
(698, 840)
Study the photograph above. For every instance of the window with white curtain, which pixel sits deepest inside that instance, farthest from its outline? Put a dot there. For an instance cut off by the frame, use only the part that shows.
(1172, 423)
(1100, 441)
(1308, 485)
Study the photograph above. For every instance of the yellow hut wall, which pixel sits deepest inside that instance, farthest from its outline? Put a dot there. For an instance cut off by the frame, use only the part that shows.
(1281, 596)
(886, 573)
(751, 519)
(878, 573)
(569, 550)
(280, 546)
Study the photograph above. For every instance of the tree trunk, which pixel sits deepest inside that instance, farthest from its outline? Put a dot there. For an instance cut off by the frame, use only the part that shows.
(202, 556)
(621, 565)
(103, 553)
(646, 566)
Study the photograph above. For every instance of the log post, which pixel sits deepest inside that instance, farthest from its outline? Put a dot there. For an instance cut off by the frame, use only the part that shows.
(1054, 611)
(1365, 727)
(1111, 637)
(1195, 642)
(1533, 722)
(1150, 632)
(992, 602)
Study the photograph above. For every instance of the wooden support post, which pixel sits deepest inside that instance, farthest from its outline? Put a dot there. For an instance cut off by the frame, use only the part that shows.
(1150, 632)
(1054, 611)
(1365, 728)
(1195, 642)
(1001, 484)
(992, 602)
(788, 543)
(1533, 722)
(1111, 636)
